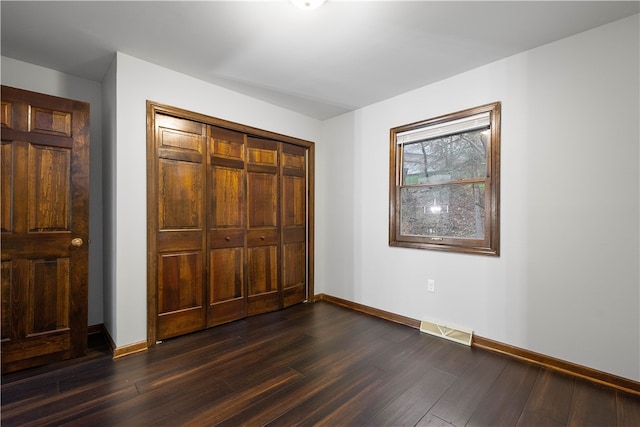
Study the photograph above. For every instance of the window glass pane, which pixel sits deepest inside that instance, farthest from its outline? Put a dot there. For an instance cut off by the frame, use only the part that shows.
(455, 210)
(449, 158)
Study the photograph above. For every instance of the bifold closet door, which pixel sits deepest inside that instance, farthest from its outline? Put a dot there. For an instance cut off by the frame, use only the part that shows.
(181, 257)
(263, 231)
(293, 220)
(228, 225)
(227, 220)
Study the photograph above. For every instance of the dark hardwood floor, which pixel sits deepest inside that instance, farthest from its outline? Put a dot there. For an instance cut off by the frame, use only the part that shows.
(311, 364)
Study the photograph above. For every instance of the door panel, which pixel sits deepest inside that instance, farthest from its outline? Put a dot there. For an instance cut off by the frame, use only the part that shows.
(263, 231)
(263, 196)
(263, 279)
(6, 199)
(294, 233)
(180, 236)
(50, 121)
(45, 212)
(49, 188)
(49, 292)
(227, 219)
(228, 197)
(293, 273)
(180, 195)
(226, 286)
(262, 153)
(293, 200)
(180, 278)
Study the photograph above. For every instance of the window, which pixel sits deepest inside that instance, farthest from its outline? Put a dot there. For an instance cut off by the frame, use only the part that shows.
(444, 182)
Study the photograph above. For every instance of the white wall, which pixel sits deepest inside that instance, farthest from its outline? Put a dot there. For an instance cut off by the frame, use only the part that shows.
(136, 82)
(567, 282)
(31, 77)
(335, 208)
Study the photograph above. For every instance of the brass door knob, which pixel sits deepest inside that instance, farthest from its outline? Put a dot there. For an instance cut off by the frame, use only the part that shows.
(77, 242)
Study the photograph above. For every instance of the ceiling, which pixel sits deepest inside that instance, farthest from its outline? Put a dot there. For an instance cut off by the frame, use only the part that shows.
(321, 63)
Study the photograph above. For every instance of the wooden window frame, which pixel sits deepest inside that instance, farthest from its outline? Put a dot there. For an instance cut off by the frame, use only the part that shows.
(490, 244)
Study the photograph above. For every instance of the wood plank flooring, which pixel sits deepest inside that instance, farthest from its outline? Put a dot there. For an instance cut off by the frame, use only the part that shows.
(311, 364)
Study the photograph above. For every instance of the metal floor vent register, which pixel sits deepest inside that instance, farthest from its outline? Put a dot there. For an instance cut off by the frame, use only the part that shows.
(462, 336)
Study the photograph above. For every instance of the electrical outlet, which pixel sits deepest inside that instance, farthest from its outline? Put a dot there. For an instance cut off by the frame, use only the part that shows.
(431, 285)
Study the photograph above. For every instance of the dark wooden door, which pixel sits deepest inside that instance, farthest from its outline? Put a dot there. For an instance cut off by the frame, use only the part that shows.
(45, 228)
(179, 224)
(293, 219)
(263, 230)
(227, 231)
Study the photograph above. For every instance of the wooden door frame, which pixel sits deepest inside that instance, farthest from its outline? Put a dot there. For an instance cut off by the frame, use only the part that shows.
(154, 108)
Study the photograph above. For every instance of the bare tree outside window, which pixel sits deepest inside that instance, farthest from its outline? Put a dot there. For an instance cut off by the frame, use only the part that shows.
(444, 182)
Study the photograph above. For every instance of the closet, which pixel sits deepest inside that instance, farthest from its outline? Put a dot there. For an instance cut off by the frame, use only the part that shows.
(229, 221)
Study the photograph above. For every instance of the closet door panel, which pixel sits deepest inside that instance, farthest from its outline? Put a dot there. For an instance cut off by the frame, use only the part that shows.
(180, 195)
(226, 285)
(263, 231)
(262, 152)
(227, 231)
(293, 273)
(293, 213)
(180, 294)
(263, 196)
(227, 200)
(263, 279)
(6, 196)
(180, 224)
(179, 278)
